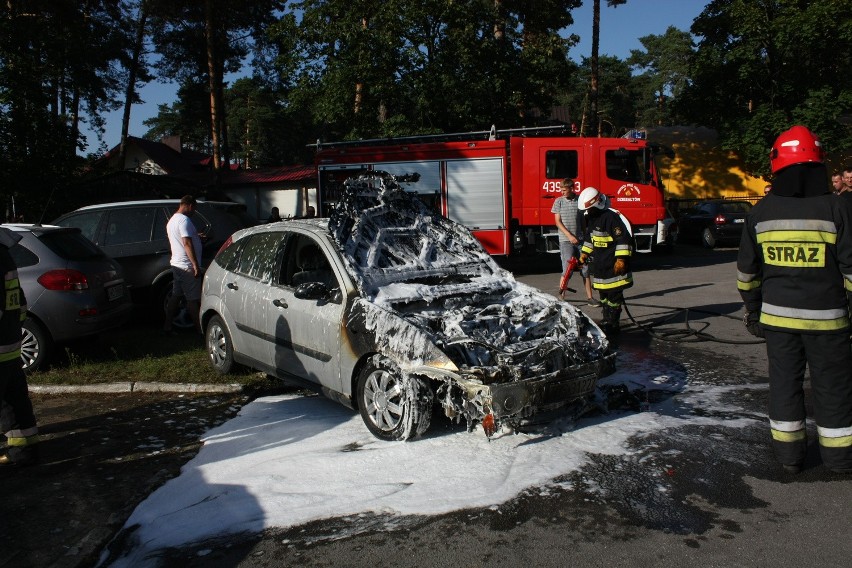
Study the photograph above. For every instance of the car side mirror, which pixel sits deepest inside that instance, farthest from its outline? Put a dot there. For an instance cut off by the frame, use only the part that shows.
(312, 291)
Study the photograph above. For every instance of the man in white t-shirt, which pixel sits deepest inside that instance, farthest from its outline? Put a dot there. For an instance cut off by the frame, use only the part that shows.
(185, 243)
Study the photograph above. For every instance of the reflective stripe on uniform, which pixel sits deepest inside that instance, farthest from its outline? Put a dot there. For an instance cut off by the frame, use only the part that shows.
(622, 250)
(787, 431)
(10, 352)
(746, 286)
(21, 436)
(797, 318)
(796, 230)
(847, 282)
(747, 281)
(835, 437)
(601, 240)
(614, 282)
(795, 243)
(12, 291)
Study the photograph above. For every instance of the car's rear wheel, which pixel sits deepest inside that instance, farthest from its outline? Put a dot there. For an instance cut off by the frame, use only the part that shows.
(220, 349)
(392, 406)
(707, 238)
(35, 345)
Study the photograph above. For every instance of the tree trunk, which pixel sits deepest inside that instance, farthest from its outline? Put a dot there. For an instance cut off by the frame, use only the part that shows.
(359, 86)
(212, 73)
(593, 93)
(130, 91)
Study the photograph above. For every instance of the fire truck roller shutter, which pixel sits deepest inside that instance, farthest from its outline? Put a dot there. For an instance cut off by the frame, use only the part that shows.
(475, 195)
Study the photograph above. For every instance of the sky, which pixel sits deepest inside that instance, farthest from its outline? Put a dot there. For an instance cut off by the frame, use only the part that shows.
(621, 28)
(286, 460)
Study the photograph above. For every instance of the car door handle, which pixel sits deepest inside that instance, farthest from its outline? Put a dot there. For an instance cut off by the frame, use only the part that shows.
(232, 286)
(279, 303)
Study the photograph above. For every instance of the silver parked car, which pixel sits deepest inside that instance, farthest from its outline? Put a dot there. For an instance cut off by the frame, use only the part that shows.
(73, 289)
(389, 309)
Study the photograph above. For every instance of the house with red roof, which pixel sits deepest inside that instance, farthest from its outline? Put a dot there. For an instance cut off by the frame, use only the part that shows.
(167, 169)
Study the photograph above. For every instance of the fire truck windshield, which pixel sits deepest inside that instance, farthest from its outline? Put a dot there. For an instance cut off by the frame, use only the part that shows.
(629, 166)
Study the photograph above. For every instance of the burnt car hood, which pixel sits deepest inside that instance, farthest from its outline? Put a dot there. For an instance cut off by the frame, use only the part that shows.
(427, 283)
(398, 249)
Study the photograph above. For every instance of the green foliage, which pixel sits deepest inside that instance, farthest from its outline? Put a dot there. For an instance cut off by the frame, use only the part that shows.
(762, 66)
(618, 97)
(59, 61)
(665, 74)
(380, 69)
(337, 69)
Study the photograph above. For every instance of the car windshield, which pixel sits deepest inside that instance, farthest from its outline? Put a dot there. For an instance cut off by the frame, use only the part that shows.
(735, 207)
(391, 237)
(69, 244)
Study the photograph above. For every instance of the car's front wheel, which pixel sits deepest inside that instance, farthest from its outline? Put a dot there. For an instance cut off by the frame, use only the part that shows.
(220, 349)
(393, 406)
(35, 345)
(708, 239)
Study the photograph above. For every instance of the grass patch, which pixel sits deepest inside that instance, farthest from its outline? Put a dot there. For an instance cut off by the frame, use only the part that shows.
(137, 353)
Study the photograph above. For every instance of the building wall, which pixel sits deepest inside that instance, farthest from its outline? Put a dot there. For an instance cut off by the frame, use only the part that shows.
(291, 201)
(701, 169)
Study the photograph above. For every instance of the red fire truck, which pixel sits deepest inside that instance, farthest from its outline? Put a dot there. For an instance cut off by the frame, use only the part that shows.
(502, 184)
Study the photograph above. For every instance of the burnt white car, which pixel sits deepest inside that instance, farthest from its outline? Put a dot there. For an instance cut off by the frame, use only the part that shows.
(390, 309)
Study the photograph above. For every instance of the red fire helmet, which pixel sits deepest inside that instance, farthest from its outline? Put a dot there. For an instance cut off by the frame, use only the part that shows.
(796, 146)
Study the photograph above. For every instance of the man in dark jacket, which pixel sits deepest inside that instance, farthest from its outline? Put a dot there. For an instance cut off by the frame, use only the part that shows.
(794, 273)
(608, 239)
(18, 417)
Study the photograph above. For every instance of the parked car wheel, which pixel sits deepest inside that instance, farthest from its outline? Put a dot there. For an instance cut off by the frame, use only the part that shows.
(219, 346)
(391, 407)
(707, 238)
(35, 345)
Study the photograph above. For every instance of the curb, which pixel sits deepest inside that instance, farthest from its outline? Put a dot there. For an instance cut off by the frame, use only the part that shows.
(135, 387)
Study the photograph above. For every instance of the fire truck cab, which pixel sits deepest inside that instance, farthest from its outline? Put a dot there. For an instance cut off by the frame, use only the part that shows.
(502, 184)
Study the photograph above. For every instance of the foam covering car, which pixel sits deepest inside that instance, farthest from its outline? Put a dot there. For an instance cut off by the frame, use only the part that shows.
(415, 314)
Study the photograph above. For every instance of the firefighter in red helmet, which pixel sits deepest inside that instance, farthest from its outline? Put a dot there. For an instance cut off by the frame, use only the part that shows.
(794, 273)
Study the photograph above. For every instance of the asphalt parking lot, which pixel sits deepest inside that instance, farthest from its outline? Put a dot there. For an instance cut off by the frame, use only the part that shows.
(105, 453)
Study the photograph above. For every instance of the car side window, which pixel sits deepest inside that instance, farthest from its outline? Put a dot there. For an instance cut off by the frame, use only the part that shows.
(304, 261)
(160, 220)
(23, 256)
(202, 224)
(130, 225)
(230, 257)
(87, 223)
(258, 256)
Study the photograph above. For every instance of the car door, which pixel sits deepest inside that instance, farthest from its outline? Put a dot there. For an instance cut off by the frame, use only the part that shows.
(307, 332)
(129, 236)
(246, 295)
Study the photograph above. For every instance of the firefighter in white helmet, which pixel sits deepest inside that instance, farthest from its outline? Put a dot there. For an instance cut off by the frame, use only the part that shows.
(794, 273)
(609, 242)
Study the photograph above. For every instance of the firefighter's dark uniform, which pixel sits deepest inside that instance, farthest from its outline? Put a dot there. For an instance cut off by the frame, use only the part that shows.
(608, 240)
(23, 432)
(794, 269)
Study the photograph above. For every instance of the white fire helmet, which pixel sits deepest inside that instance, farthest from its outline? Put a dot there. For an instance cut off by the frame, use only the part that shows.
(590, 197)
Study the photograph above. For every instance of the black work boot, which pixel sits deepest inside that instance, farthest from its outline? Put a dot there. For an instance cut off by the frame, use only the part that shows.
(21, 457)
(614, 319)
